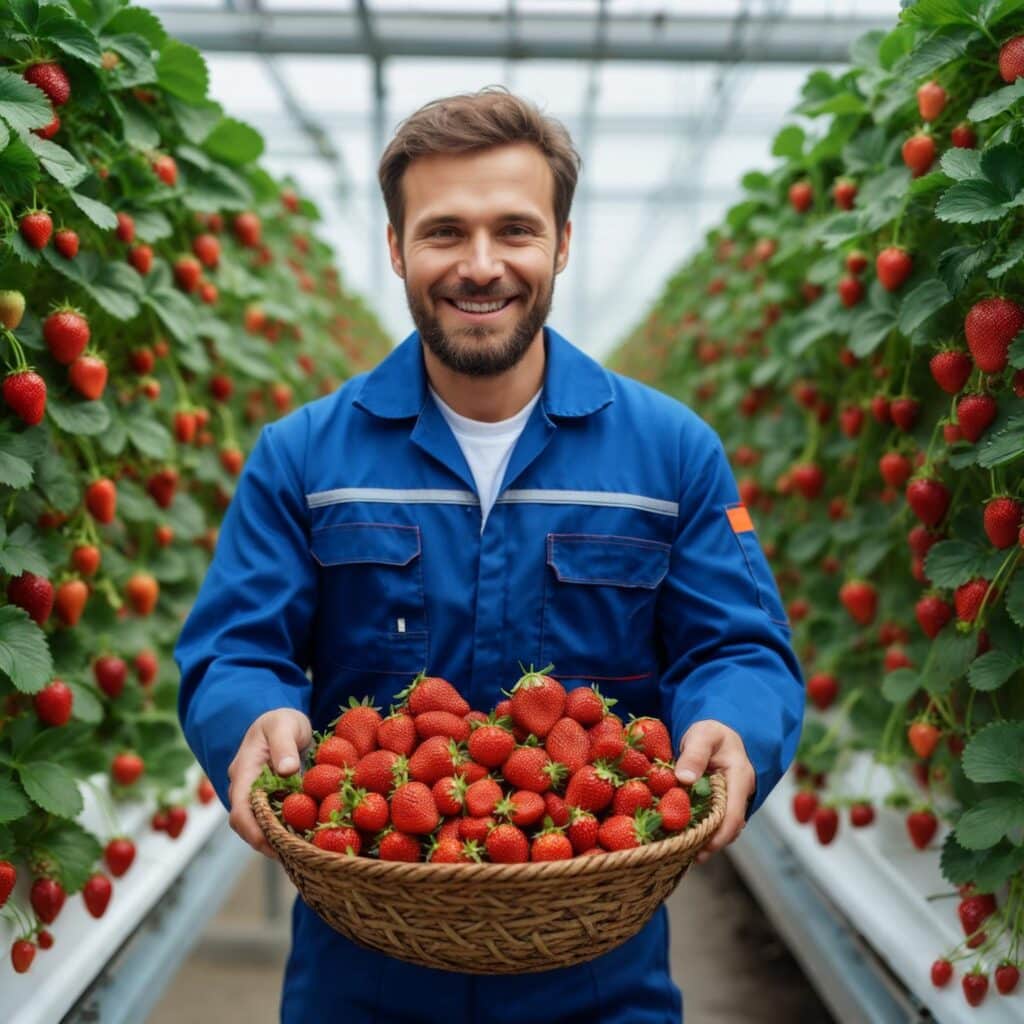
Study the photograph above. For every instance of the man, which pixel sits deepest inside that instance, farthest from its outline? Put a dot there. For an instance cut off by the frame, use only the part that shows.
(488, 495)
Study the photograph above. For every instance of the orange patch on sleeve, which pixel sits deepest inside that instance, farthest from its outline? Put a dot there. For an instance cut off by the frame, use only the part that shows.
(739, 519)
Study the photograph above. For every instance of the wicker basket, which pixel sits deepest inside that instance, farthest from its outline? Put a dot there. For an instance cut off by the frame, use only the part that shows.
(490, 918)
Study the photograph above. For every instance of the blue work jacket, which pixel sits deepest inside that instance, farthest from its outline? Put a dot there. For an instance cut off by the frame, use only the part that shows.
(352, 556)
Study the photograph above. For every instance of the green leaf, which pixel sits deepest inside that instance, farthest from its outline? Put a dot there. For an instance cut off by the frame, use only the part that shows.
(234, 142)
(88, 418)
(900, 685)
(169, 765)
(959, 865)
(789, 143)
(953, 562)
(140, 128)
(169, 566)
(196, 120)
(134, 505)
(13, 802)
(217, 189)
(115, 437)
(1003, 167)
(68, 34)
(21, 552)
(996, 754)
(870, 328)
(996, 102)
(137, 67)
(56, 479)
(22, 105)
(72, 850)
(807, 542)
(181, 71)
(952, 654)
(991, 670)
(5, 135)
(934, 53)
(1015, 599)
(52, 787)
(86, 705)
(972, 202)
(99, 213)
(19, 169)
(138, 21)
(26, 13)
(150, 225)
(1003, 445)
(982, 826)
(871, 553)
(149, 436)
(924, 301)
(56, 160)
(957, 265)
(962, 164)
(24, 654)
(1013, 255)
(15, 471)
(112, 284)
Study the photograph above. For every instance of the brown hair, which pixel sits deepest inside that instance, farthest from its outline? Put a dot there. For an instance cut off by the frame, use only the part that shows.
(475, 121)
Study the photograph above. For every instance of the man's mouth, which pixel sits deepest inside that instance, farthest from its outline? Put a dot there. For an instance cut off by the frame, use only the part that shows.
(481, 309)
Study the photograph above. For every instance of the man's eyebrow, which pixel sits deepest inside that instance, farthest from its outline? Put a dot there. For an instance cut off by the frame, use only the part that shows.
(450, 218)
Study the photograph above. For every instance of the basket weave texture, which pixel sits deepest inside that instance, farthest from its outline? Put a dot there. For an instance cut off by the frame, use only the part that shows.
(490, 918)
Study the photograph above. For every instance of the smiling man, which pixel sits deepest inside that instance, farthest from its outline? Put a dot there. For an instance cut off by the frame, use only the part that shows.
(488, 495)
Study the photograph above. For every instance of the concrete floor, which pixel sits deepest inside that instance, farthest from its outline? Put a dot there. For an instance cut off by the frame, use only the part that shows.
(726, 957)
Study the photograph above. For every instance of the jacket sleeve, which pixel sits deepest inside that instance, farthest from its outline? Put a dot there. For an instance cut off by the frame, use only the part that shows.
(244, 648)
(722, 624)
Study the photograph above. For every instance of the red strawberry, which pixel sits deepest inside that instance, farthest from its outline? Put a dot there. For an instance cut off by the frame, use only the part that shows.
(142, 359)
(482, 797)
(337, 751)
(1011, 59)
(990, 326)
(399, 846)
(625, 832)
(208, 292)
(928, 500)
(850, 289)
(378, 771)
(826, 824)
(607, 739)
(1007, 976)
(125, 227)
(332, 807)
(126, 768)
(974, 414)
(110, 673)
(893, 266)
(942, 972)
(475, 829)
(207, 250)
(809, 479)
(66, 333)
(491, 744)
(568, 743)
(632, 795)
(165, 168)
(33, 593)
(921, 827)
(232, 459)
(530, 768)
(359, 724)
(66, 243)
(50, 129)
(448, 850)
(397, 732)
(919, 153)
(968, 599)
(343, 840)
(851, 420)
(525, 808)
(8, 876)
(634, 764)
(52, 79)
(47, 898)
(433, 759)
(88, 376)
(23, 953)
(661, 777)
(904, 412)
(450, 794)
(431, 693)
(143, 592)
(551, 844)
(975, 986)
(951, 369)
(162, 485)
(880, 409)
(119, 854)
(582, 830)
(413, 809)
(932, 614)
(69, 601)
(299, 811)
(586, 705)
(25, 392)
(1002, 520)
(923, 737)
(554, 806)
(141, 258)
(187, 272)
(322, 779)
(592, 787)
(538, 702)
(652, 737)
(844, 192)
(96, 893)
(507, 844)
(36, 227)
(442, 723)
(370, 811)
(861, 815)
(860, 599)
(895, 468)
(53, 705)
(963, 136)
(801, 196)
(931, 100)
(822, 688)
(247, 228)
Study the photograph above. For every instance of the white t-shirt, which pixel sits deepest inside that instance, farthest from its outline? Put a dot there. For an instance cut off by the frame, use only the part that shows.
(487, 447)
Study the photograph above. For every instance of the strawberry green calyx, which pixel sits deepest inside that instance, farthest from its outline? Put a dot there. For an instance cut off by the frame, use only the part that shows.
(273, 784)
(646, 823)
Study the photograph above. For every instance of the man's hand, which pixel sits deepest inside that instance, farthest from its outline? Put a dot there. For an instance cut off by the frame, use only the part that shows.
(712, 746)
(276, 738)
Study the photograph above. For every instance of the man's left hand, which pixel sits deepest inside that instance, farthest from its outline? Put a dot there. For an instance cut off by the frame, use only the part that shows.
(712, 746)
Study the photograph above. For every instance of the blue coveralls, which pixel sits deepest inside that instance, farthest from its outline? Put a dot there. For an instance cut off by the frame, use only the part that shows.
(353, 547)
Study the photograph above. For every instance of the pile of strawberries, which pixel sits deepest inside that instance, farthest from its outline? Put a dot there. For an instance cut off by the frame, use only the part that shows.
(547, 775)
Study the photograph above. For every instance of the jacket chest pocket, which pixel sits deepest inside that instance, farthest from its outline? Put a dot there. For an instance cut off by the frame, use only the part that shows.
(599, 599)
(372, 608)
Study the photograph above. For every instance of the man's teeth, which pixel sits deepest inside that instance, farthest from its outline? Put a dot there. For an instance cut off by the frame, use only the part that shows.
(476, 307)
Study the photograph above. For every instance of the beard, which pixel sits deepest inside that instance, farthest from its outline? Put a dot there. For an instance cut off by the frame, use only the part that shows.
(481, 350)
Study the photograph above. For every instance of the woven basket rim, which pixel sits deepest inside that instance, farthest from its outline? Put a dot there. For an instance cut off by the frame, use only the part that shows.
(292, 847)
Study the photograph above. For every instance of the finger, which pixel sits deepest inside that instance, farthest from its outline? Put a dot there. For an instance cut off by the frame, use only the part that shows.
(285, 736)
(244, 771)
(738, 785)
(697, 746)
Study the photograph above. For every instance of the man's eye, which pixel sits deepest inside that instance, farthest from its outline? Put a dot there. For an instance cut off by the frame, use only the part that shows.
(437, 231)
(519, 227)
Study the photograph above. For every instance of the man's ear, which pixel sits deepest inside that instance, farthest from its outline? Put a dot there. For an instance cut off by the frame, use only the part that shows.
(395, 252)
(562, 256)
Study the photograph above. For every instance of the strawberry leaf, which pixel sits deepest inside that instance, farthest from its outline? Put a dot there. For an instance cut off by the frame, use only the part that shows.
(1003, 445)
(957, 265)
(68, 34)
(21, 552)
(22, 105)
(99, 213)
(85, 418)
(24, 654)
(13, 802)
(234, 142)
(86, 706)
(996, 102)
(982, 826)
(991, 670)
(181, 71)
(56, 160)
(996, 754)
(952, 654)
(52, 787)
(71, 850)
(1014, 254)
(138, 21)
(900, 685)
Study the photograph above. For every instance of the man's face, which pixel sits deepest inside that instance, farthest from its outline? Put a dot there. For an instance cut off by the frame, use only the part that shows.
(479, 232)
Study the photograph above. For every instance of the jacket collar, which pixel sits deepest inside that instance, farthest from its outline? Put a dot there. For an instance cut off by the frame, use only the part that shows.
(574, 383)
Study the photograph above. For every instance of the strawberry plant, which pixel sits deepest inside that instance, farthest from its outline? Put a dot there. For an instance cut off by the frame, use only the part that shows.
(161, 297)
(876, 425)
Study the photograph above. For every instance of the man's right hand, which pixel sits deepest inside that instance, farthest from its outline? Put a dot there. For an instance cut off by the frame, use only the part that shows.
(276, 738)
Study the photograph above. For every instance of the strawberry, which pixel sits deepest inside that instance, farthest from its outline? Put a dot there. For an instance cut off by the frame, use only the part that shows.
(142, 591)
(632, 795)
(88, 376)
(491, 744)
(66, 333)
(187, 272)
(162, 485)
(208, 292)
(413, 809)
(232, 459)
(896, 657)
(482, 797)
(433, 759)
(525, 808)
(142, 359)
(582, 830)
(322, 779)
(126, 768)
(378, 771)
(529, 768)
(110, 673)
(893, 266)
(96, 894)
(164, 535)
(25, 392)
(923, 737)
(963, 136)
(397, 732)
(974, 414)
(65, 242)
(554, 806)
(33, 593)
(801, 196)
(674, 808)
(990, 326)
(507, 844)
(822, 689)
(358, 724)
(52, 79)
(968, 599)
(880, 409)
(932, 614)
(634, 764)
(247, 228)
(184, 426)
(652, 737)
(607, 739)
(1007, 976)
(119, 854)
(975, 986)
(931, 100)
(919, 153)
(146, 667)
(431, 693)
(165, 168)
(8, 876)
(625, 832)
(895, 469)
(23, 953)
(442, 723)
(299, 811)
(36, 227)
(448, 850)
(338, 751)
(1011, 59)
(862, 814)
(568, 743)
(661, 777)
(860, 599)
(176, 818)
(332, 807)
(942, 972)
(343, 840)
(207, 250)
(69, 601)
(921, 827)
(47, 897)
(50, 129)
(538, 702)
(125, 227)
(1002, 520)
(399, 846)
(551, 843)
(845, 193)
(450, 794)
(475, 828)
(922, 540)
(370, 811)
(951, 369)
(141, 258)
(850, 289)
(904, 412)
(592, 787)
(826, 824)
(53, 704)
(928, 499)
(12, 309)
(809, 479)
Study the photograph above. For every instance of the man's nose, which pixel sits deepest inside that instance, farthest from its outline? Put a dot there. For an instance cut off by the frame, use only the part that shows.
(481, 264)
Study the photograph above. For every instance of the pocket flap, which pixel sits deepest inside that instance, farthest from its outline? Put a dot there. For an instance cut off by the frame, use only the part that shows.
(350, 543)
(608, 559)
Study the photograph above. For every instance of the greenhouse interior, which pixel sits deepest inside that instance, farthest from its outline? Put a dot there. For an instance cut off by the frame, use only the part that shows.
(640, 386)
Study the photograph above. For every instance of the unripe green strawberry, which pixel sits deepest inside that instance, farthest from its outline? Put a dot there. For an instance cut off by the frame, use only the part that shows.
(12, 309)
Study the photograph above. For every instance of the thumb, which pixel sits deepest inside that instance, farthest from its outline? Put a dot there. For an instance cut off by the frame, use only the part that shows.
(694, 756)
